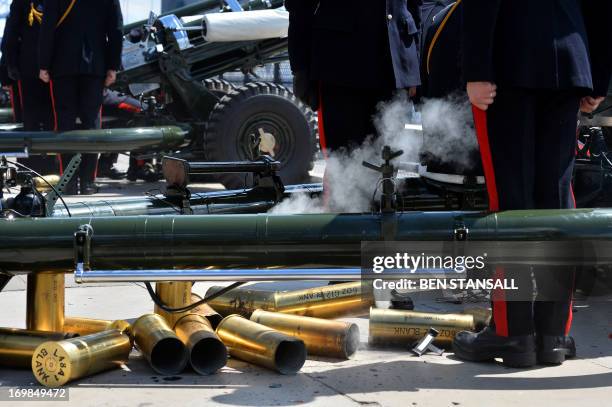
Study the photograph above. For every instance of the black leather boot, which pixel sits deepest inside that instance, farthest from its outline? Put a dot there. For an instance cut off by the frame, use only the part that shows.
(553, 350)
(88, 188)
(486, 345)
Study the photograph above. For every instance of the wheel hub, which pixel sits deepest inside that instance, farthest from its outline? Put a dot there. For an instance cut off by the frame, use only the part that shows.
(267, 142)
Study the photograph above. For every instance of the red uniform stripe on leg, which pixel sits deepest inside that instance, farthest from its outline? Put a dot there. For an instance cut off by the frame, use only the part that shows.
(482, 133)
(570, 317)
(498, 296)
(322, 139)
(53, 107)
(570, 312)
(12, 97)
(59, 156)
(500, 309)
(20, 96)
(323, 144)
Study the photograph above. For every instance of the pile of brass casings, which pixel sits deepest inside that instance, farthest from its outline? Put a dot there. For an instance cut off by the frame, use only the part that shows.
(260, 345)
(206, 352)
(322, 337)
(18, 345)
(390, 327)
(331, 301)
(164, 351)
(56, 363)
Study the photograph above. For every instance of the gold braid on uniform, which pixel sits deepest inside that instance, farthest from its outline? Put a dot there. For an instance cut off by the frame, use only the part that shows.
(34, 15)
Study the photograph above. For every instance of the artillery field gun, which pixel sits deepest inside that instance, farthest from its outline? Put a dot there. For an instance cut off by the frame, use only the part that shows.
(168, 75)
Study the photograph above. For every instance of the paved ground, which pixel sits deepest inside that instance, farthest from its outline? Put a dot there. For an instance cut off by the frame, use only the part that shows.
(374, 377)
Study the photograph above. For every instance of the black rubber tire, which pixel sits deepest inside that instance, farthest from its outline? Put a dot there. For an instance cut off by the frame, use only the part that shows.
(219, 87)
(267, 106)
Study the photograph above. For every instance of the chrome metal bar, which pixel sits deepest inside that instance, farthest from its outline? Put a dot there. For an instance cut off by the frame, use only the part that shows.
(247, 275)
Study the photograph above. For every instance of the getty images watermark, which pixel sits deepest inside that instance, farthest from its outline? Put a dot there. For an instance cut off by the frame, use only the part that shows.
(521, 271)
(422, 264)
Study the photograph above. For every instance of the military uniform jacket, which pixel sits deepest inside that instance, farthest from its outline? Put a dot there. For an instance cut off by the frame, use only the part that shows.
(359, 43)
(20, 41)
(87, 42)
(538, 44)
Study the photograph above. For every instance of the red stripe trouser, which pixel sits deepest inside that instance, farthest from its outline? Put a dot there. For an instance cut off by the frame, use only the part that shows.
(527, 142)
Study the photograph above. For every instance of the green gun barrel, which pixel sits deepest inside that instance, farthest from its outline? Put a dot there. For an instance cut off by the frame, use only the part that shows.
(263, 240)
(93, 141)
(254, 200)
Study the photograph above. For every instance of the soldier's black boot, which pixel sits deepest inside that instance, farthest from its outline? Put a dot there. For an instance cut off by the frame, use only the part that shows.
(486, 345)
(553, 350)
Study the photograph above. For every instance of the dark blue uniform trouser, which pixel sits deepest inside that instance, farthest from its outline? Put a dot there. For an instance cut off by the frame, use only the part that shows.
(37, 112)
(79, 96)
(346, 114)
(529, 165)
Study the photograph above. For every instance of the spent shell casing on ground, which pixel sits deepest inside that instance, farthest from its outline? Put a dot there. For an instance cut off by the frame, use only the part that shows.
(56, 363)
(85, 326)
(390, 327)
(175, 294)
(206, 311)
(45, 302)
(323, 337)
(207, 353)
(165, 352)
(260, 345)
(18, 345)
(330, 301)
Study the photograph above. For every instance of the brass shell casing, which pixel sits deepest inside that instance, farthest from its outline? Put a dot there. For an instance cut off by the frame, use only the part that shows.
(260, 345)
(18, 345)
(45, 302)
(56, 363)
(86, 326)
(164, 351)
(322, 337)
(242, 301)
(330, 301)
(175, 294)
(390, 327)
(482, 316)
(207, 353)
(43, 186)
(206, 311)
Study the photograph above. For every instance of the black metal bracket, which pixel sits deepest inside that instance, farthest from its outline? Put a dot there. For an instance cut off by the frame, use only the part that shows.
(69, 172)
(82, 246)
(264, 169)
(388, 199)
(460, 232)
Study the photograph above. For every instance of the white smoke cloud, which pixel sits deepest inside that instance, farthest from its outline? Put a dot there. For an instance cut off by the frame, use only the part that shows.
(352, 186)
(449, 127)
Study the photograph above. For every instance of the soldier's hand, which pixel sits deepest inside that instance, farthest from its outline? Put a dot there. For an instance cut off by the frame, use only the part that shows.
(412, 91)
(44, 76)
(481, 94)
(589, 104)
(111, 77)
